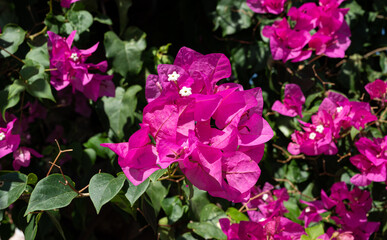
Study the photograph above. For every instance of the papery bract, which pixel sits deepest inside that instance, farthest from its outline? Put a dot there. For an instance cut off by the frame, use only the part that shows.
(292, 103)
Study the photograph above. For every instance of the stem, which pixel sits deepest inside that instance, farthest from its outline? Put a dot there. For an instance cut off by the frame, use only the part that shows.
(38, 33)
(57, 157)
(12, 55)
(374, 51)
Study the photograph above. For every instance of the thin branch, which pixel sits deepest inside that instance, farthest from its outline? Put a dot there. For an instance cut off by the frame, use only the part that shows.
(374, 51)
(294, 187)
(12, 55)
(57, 156)
(290, 157)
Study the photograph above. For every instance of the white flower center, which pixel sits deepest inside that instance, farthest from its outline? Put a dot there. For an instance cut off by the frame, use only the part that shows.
(307, 209)
(174, 76)
(320, 128)
(339, 109)
(2, 136)
(74, 57)
(312, 136)
(265, 196)
(262, 219)
(184, 92)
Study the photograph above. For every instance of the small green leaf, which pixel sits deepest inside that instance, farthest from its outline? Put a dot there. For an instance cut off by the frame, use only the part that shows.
(36, 80)
(10, 39)
(51, 193)
(95, 143)
(80, 20)
(32, 228)
(207, 230)
(135, 192)
(212, 213)
(121, 107)
(123, 7)
(156, 192)
(12, 185)
(236, 215)
(173, 207)
(54, 218)
(157, 174)
(39, 55)
(32, 179)
(10, 96)
(103, 187)
(315, 231)
(125, 55)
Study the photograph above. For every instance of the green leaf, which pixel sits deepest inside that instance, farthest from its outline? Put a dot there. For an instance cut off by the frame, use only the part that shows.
(157, 174)
(10, 96)
(10, 39)
(95, 143)
(315, 231)
(54, 218)
(39, 55)
(32, 179)
(122, 202)
(51, 193)
(36, 80)
(236, 215)
(123, 7)
(135, 192)
(232, 16)
(103, 19)
(198, 201)
(295, 173)
(125, 55)
(206, 230)
(103, 187)
(173, 207)
(212, 213)
(186, 236)
(80, 20)
(156, 192)
(121, 107)
(12, 185)
(32, 228)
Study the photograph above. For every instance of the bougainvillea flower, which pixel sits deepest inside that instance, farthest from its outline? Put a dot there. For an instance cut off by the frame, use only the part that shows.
(377, 89)
(292, 103)
(312, 212)
(71, 68)
(22, 157)
(266, 6)
(9, 142)
(243, 230)
(215, 133)
(67, 3)
(286, 43)
(306, 16)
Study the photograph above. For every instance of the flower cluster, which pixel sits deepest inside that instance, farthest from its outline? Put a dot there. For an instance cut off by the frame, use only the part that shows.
(348, 210)
(10, 142)
(377, 90)
(214, 132)
(292, 103)
(266, 6)
(330, 32)
(267, 222)
(372, 161)
(69, 68)
(335, 114)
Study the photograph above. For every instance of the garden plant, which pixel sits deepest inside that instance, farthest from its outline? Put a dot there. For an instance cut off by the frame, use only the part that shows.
(223, 119)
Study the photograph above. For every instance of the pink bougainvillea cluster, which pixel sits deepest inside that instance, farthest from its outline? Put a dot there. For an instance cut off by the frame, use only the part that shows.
(70, 69)
(215, 133)
(10, 141)
(320, 28)
(335, 116)
(346, 210)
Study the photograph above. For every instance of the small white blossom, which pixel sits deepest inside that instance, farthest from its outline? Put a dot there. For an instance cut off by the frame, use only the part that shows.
(307, 209)
(174, 76)
(312, 136)
(320, 128)
(2, 136)
(265, 196)
(261, 219)
(339, 109)
(184, 92)
(74, 57)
